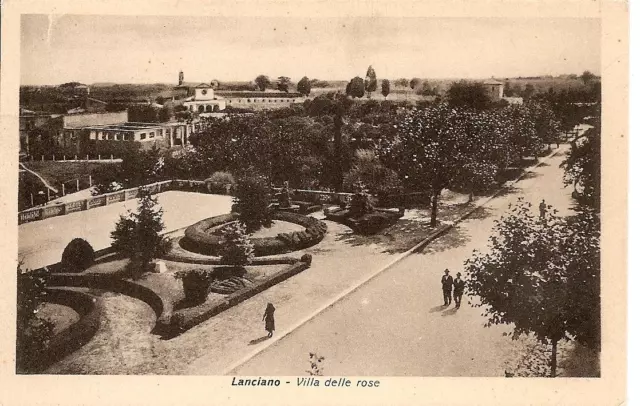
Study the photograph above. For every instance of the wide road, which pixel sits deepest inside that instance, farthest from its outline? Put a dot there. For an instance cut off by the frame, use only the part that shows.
(394, 325)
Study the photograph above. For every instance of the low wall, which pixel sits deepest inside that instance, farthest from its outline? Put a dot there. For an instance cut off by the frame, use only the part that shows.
(61, 209)
(198, 186)
(318, 196)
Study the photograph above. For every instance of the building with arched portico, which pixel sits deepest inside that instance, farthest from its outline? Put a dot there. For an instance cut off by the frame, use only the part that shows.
(204, 100)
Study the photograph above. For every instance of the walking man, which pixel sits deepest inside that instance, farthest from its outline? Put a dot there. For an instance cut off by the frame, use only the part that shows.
(458, 289)
(543, 208)
(447, 285)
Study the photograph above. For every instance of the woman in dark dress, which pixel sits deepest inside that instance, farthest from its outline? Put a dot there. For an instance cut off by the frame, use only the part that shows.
(270, 323)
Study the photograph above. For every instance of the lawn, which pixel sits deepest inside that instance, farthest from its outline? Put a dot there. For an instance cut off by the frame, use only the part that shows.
(56, 172)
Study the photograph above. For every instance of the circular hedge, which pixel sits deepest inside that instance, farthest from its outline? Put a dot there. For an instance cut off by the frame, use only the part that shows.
(200, 239)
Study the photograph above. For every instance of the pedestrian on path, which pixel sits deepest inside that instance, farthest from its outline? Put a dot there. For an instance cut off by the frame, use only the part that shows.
(447, 285)
(268, 318)
(543, 208)
(458, 289)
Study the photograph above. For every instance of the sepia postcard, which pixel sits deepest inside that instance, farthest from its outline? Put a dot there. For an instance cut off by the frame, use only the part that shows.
(317, 202)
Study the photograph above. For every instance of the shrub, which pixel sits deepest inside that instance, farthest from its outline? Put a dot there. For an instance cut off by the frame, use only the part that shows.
(32, 332)
(252, 202)
(195, 283)
(237, 249)
(306, 258)
(137, 235)
(78, 255)
(218, 181)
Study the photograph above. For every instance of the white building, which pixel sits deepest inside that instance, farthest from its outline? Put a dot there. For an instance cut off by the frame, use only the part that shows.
(204, 100)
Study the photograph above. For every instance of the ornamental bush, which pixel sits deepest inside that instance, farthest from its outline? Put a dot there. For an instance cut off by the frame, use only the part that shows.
(77, 256)
(219, 180)
(237, 249)
(196, 284)
(252, 202)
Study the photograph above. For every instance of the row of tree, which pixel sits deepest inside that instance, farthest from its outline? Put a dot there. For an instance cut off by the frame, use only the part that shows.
(541, 273)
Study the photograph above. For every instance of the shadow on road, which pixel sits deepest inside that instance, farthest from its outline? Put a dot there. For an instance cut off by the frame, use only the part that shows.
(450, 312)
(258, 340)
(453, 238)
(437, 309)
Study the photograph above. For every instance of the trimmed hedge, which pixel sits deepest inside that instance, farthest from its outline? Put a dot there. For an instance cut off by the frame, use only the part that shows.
(198, 239)
(216, 260)
(76, 335)
(184, 319)
(78, 255)
(113, 283)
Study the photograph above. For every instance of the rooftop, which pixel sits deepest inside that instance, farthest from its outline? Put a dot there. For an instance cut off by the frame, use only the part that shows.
(129, 126)
(492, 82)
(230, 93)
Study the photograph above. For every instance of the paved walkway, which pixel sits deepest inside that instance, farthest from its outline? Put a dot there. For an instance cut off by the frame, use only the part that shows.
(395, 325)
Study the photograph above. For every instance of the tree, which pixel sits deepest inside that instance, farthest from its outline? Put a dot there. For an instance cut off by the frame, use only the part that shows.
(402, 82)
(546, 125)
(413, 83)
(508, 92)
(369, 171)
(262, 82)
(587, 77)
(252, 200)
(425, 150)
(582, 167)
(283, 84)
(386, 88)
(340, 109)
(165, 114)
(370, 81)
(143, 114)
(235, 143)
(468, 95)
(237, 248)
(528, 92)
(304, 86)
(137, 235)
(541, 275)
(33, 333)
(356, 87)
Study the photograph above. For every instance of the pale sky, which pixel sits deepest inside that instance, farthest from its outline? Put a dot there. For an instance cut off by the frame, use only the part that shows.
(130, 49)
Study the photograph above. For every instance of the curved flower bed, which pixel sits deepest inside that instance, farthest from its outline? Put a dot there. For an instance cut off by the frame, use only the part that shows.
(73, 337)
(199, 237)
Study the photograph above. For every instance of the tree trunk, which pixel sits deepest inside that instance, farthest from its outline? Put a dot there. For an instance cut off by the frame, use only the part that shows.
(434, 208)
(470, 196)
(554, 357)
(337, 146)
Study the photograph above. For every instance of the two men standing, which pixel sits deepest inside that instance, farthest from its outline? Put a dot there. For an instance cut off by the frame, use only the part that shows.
(449, 284)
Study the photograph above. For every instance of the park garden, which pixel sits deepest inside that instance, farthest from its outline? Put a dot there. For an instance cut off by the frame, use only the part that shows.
(310, 184)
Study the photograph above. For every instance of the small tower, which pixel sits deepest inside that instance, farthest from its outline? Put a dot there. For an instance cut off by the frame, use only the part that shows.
(180, 78)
